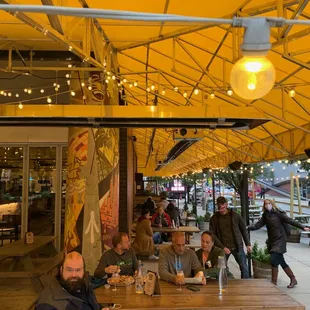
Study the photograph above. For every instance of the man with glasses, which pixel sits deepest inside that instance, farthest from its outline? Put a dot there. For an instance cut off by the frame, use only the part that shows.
(176, 258)
(71, 289)
(229, 232)
(121, 259)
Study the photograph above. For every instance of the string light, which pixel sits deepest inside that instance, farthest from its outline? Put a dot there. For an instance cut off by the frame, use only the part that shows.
(130, 85)
(42, 91)
(82, 84)
(20, 106)
(286, 161)
(230, 92)
(29, 91)
(153, 87)
(124, 80)
(49, 100)
(1, 92)
(67, 75)
(212, 96)
(5, 94)
(148, 89)
(17, 95)
(89, 87)
(176, 88)
(185, 95)
(163, 92)
(73, 93)
(113, 77)
(69, 66)
(135, 84)
(26, 90)
(56, 89)
(55, 84)
(196, 91)
(9, 94)
(107, 81)
(68, 82)
(292, 93)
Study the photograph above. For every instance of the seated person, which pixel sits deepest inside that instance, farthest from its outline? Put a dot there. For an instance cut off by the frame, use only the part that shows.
(174, 213)
(160, 219)
(71, 290)
(120, 259)
(150, 205)
(144, 244)
(163, 202)
(208, 255)
(176, 257)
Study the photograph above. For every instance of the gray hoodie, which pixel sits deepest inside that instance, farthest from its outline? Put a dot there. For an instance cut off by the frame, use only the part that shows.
(168, 259)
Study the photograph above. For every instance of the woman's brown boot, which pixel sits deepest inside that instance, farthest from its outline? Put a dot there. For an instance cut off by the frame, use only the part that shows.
(291, 275)
(274, 275)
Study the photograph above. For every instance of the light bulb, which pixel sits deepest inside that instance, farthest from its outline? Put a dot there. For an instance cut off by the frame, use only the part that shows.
(26, 90)
(89, 87)
(148, 89)
(176, 88)
(196, 91)
(29, 91)
(185, 95)
(124, 80)
(212, 96)
(5, 94)
(67, 75)
(152, 87)
(68, 82)
(9, 94)
(230, 92)
(252, 77)
(292, 93)
(73, 93)
(16, 95)
(55, 84)
(163, 92)
(107, 81)
(49, 100)
(82, 84)
(135, 84)
(113, 77)
(20, 106)
(130, 85)
(42, 91)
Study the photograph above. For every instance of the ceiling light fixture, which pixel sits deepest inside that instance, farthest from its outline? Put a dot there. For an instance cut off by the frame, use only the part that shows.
(253, 76)
(292, 93)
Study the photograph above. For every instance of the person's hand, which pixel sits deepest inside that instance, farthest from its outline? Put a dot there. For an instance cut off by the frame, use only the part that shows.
(105, 309)
(249, 249)
(227, 251)
(200, 275)
(111, 269)
(306, 229)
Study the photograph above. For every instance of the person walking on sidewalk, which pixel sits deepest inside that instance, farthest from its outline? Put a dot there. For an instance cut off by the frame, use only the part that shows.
(275, 221)
(229, 229)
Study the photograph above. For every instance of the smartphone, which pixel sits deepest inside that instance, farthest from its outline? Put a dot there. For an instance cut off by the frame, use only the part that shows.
(193, 288)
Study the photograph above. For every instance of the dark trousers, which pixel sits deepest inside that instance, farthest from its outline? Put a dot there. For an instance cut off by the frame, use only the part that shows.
(240, 258)
(278, 259)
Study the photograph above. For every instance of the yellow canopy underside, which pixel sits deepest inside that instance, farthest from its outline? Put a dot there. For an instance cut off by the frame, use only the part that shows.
(192, 56)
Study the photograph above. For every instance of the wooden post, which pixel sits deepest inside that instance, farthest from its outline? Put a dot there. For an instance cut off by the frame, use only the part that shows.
(292, 195)
(253, 191)
(298, 195)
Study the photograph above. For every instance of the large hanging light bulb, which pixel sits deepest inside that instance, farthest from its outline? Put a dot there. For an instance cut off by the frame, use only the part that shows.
(253, 75)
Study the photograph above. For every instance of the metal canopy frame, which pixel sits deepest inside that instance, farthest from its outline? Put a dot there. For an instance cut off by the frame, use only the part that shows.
(286, 136)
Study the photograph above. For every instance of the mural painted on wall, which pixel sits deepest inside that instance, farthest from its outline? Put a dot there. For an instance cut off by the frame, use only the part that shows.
(107, 154)
(108, 167)
(77, 158)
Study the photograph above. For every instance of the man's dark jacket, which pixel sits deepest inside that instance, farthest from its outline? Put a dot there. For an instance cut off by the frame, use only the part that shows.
(54, 297)
(238, 230)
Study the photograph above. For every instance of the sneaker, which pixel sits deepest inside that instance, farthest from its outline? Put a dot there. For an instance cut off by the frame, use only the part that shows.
(153, 257)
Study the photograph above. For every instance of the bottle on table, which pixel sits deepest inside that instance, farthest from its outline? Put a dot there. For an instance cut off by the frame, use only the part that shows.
(139, 279)
(223, 279)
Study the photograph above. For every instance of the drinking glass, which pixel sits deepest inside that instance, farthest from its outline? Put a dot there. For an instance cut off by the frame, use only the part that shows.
(180, 279)
(114, 275)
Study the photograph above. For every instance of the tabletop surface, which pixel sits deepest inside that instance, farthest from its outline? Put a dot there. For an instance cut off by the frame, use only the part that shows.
(240, 294)
(19, 248)
(181, 228)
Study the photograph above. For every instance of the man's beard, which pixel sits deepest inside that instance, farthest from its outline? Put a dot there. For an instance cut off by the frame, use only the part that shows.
(72, 284)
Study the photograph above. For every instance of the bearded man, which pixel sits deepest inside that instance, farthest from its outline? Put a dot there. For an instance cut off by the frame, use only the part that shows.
(71, 290)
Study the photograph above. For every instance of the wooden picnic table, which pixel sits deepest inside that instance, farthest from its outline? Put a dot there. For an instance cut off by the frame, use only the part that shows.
(187, 229)
(20, 251)
(240, 294)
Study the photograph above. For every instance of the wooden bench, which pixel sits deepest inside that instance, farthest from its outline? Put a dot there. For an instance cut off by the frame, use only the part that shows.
(188, 246)
(35, 275)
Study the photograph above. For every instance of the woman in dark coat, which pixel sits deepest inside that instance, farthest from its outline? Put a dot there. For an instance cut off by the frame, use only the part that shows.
(274, 218)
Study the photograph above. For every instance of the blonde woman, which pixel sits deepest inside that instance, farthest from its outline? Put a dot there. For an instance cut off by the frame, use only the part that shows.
(274, 218)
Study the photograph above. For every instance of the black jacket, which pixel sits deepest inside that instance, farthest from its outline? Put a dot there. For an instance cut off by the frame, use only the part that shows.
(238, 230)
(276, 233)
(54, 297)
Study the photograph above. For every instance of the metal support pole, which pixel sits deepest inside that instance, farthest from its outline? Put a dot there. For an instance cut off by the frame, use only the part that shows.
(245, 204)
(292, 195)
(58, 198)
(25, 189)
(298, 194)
(213, 191)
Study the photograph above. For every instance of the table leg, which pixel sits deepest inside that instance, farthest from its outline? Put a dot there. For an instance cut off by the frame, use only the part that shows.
(13, 264)
(27, 262)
